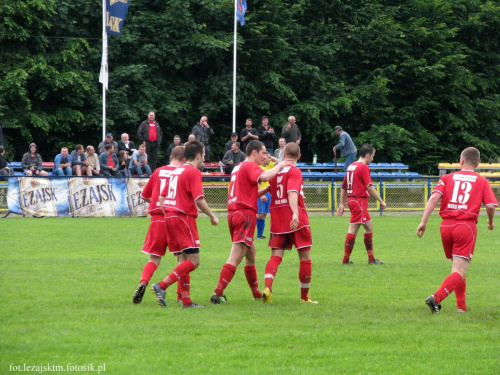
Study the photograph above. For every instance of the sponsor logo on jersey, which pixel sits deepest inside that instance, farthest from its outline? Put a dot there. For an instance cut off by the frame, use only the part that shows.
(464, 177)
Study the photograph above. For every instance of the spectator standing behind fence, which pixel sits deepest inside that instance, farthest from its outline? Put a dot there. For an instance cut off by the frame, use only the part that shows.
(291, 131)
(80, 162)
(139, 162)
(233, 157)
(202, 132)
(345, 146)
(266, 135)
(107, 141)
(278, 153)
(229, 145)
(109, 162)
(248, 134)
(63, 163)
(126, 144)
(94, 165)
(4, 168)
(150, 133)
(175, 143)
(123, 160)
(32, 162)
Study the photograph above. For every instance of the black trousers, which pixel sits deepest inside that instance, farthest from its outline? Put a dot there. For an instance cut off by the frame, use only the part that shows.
(152, 151)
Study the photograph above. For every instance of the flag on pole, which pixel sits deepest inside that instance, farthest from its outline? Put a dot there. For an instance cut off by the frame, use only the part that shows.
(116, 11)
(240, 12)
(103, 75)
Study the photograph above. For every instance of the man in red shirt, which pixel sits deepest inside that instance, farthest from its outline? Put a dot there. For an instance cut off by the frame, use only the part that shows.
(155, 243)
(242, 215)
(357, 187)
(180, 199)
(149, 132)
(289, 225)
(461, 194)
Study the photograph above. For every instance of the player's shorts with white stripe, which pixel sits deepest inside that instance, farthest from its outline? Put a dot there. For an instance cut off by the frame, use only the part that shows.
(242, 225)
(156, 238)
(459, 238)
(182, 232)
(359, 210)
(301, 239)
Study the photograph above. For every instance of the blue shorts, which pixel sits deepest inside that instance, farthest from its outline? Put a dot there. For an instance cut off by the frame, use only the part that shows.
(263, 207)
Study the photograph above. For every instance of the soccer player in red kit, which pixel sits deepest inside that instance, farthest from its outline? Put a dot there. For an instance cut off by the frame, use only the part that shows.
(289, 225)
(180, 198)
(155, 243)
(357, 187)
(461, 195)
(242, 214)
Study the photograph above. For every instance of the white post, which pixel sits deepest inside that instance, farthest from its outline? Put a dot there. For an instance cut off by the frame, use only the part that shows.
(104, 51)
(234, 62)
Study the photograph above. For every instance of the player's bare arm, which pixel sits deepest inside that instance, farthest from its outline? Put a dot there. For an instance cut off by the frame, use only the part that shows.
(264, 191)
(490, 210)
(343, 195)
(375, 195)
(203, 206)
(293, 201)
(270, 173)
(431, 205)
(160, 202)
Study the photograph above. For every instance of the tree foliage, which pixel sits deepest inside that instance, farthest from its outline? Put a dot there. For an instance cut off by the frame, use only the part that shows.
(419, 81)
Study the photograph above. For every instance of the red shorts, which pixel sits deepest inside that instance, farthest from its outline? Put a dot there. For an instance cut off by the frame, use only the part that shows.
(242, 226)
(156, 238)
(301, 239)
(182, 232)
(459, 239)
(359, 210)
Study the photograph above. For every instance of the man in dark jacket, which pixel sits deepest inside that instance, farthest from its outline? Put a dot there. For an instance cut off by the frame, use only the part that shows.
(32, 162)
(107, 141)
(126, 144)
(233, 157)
(202, 132)
(150, 132)
(266, 135)
(109, 162)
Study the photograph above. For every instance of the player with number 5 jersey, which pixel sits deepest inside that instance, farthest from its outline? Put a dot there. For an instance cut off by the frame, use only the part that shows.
(289, 225)
(461, 194)
(242, 213)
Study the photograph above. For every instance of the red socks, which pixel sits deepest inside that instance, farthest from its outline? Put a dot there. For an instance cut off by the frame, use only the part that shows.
(271, 270)
(449, 285)
(184, 285)
(181, 270)
(253, 283)
(368, 237)
(147, 272)
(305, 271)
(460, 295)
(226, 275)
(349, 245)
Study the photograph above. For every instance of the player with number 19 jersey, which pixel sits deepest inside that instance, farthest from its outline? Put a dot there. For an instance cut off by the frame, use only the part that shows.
(182, 190)
(288, 179)
(462, 195)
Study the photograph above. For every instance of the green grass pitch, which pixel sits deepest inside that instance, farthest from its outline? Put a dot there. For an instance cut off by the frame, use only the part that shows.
(67, 286)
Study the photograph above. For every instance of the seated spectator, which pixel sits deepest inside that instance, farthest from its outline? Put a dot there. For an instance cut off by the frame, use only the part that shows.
(63, 163)
(177, 142)
(228, 145)
(278, 153)
(108, 141)
(32, 162)
(191, 138)
(123, 159)
(126, 144)
(233, 157)
(139, 162)
(109, 162)
(80, 162)
(4, 168)
(94, 164)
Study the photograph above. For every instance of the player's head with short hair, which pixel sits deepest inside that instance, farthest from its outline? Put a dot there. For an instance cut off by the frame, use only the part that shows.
(177, 153)
(191, 151)
(254, 146)
(471, 156)
(366, 149)
(292, 151)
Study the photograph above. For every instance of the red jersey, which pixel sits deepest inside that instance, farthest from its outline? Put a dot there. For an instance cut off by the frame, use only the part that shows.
(154, 187)
(289, 179)
(244, 186)
(463, 192)
(152, 135)
(356, 180)
(182, 190)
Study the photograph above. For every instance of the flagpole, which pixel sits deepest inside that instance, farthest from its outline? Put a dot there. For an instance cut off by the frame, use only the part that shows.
(234, 62)
(105, 53)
